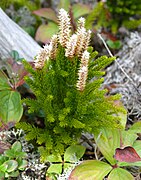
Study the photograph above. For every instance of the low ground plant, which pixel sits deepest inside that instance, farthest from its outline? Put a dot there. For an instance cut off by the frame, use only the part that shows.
(120, 149)
(12, 161)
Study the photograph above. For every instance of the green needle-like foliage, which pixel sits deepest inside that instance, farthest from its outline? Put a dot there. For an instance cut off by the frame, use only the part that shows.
(114, 14)
(125, 12)
(69, 95)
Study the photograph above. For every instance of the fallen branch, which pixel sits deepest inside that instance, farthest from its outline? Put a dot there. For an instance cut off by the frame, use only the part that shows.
(13, 37)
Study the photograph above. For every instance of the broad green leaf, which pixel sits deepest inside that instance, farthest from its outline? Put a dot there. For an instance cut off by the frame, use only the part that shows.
(65, 4)
(4, 81)
(11, 108)
(114, 44)
(9, 153)
(47, 13)
(90, 169)
(74, 153)
(68, 165)
(20, 154)
(137, 147)
(6, 175)
(22, 165)
(1, 175)
(80, 10)
(128, 138)
(136, 127)
(14, 174)
(120, 174)
(123, 117)
(54, 158)
(55, 168)
(107, 141)
(122, 164)
(12, 165)
(45, 32)
(3, 159)
(3, 167)
(17, 146)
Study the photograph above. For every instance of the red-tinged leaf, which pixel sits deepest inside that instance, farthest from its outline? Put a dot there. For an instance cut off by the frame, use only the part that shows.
(17, 72)
(80, 10)
(127, 154)
(46, 13)
(89, 170)
(109, 36)
(4, 146)
(107, 141)
(45, 32)
(6, 126)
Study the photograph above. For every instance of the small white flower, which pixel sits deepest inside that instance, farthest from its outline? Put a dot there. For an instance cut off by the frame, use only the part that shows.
(42, 56)
(64, 27)
(83, 71)
(71, 46)
(81, 33)
(81, 22)
(53, 44)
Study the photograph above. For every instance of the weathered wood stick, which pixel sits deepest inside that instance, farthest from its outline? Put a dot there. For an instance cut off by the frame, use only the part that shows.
(13, 37)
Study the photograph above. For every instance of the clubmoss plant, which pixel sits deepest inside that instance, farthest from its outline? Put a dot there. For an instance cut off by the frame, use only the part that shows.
(67, 82)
